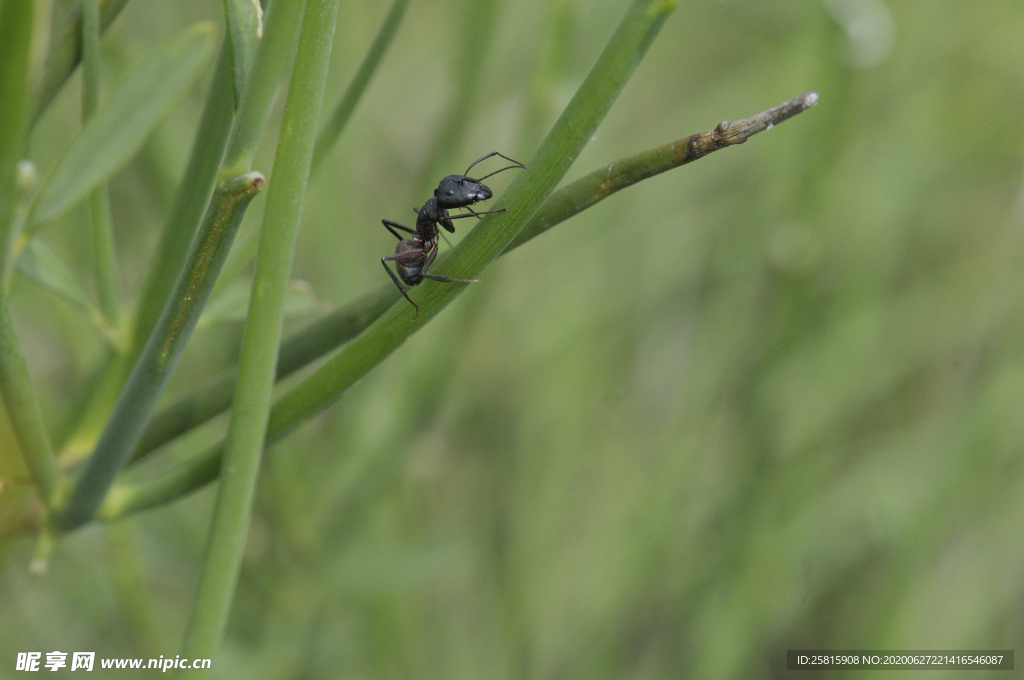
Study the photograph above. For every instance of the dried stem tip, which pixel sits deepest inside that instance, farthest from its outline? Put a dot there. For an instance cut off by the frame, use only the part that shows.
(740, 131)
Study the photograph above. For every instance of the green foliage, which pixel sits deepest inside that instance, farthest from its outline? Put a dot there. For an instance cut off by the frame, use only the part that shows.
(40, 264)
(118, 129)
(163, 350)
(65, 49)
(765, 401)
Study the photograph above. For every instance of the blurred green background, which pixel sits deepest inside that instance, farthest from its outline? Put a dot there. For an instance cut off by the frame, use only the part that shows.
(770, 400)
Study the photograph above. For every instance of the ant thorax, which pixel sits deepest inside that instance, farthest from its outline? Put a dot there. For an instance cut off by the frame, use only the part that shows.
(429, 216)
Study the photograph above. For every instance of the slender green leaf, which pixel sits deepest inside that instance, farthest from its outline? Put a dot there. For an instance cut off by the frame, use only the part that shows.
(245, 28)
(66, 44)
(232, 304)
(43, 266)
(23, 409)
(190, 201)
(332, 129)
(100, 222)
(219, 140)
(125, 120)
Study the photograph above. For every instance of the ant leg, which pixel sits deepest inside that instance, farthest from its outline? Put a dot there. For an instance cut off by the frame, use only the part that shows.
(388, 224)
(384, 262)
(476, 214)
(429, 260)
(445, 279)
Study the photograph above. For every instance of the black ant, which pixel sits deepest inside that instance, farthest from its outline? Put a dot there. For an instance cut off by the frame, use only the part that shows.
(413, 256)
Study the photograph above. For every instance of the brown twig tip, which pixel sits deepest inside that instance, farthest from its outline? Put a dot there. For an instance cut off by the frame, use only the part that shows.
(741, 131)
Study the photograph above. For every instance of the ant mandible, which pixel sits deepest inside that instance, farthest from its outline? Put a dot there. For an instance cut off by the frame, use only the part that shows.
(414, 256)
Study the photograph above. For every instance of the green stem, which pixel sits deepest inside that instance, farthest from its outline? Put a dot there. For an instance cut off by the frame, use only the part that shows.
(298, 351)
(133, 592)
(187, 210)
(332, 130)
(191, 198)
(23, 409)
(570, 134)
(66, 49)
(244, 444)
(15, 45)
(104, 259)
(275, 48)
(162, 352)
(603, 182)
(337, 328)
(15, 383)
(245, 251)
(282, 23)
(216, 134)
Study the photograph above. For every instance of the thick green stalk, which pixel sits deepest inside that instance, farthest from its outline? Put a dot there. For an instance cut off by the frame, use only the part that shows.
(569, 135)
(23, 409)
(66, 48)
(244, 444)
(104, 259)
(340, 326)
(162, 352)
(331, 131)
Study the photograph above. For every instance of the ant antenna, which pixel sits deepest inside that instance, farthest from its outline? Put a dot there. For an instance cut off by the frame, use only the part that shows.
(490, 155)
(508, 167)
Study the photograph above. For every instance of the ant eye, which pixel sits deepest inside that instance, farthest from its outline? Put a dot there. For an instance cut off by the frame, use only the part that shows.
(450, 192)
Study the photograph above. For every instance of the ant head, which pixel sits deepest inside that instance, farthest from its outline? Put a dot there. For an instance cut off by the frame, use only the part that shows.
(459, 191)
